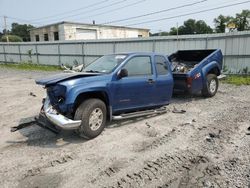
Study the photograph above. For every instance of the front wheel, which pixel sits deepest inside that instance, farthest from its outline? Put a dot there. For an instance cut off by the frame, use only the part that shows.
(211, 86)
(93, 114)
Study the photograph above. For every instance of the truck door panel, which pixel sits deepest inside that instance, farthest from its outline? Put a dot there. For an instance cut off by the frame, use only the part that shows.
(164, 80)
(137, 89)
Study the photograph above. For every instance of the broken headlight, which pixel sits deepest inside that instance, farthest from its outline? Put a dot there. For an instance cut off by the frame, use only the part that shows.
(56, 94)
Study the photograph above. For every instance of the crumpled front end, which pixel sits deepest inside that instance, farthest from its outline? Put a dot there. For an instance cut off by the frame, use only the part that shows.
(58, 119)
(57, 95)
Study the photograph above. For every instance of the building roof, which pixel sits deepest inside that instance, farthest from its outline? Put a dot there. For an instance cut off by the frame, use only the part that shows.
(84, 24)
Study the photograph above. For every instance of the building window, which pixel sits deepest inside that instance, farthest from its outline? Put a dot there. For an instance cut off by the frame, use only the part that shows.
(37, 38)
(56, 36)
(46, 37)
(139, 35)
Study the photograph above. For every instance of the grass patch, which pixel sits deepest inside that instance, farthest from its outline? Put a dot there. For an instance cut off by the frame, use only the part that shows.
(30, 66)
(237, 80)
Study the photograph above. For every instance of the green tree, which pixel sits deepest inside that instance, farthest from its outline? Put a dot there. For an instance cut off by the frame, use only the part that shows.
(6, 32)
(21, 30)
(192, 26)
(188, 27)
(12, 38)
(202, 28)
(221, 23)
(242, 20)
(173, 31)
(164, 33)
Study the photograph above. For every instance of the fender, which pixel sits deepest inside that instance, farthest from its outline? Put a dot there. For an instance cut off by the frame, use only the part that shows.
(74, 92)
(209, 67)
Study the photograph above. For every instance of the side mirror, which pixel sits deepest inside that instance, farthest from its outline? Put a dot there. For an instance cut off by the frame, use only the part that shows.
(122, 73)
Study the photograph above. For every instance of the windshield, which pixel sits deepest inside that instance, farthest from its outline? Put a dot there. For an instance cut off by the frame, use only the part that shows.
(105, 64)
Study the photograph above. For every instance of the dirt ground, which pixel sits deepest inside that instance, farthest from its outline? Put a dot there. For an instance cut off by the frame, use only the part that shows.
(208, 146)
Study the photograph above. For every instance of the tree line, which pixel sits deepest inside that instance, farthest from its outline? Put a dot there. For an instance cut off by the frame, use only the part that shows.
(18, 33)
(241, 22)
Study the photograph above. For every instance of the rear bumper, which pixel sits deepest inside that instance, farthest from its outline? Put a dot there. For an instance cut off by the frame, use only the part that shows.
(58, 119)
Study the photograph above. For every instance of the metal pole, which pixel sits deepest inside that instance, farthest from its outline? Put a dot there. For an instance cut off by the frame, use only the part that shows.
(206, 42)
(177, 33)
(59, 54)
(225, 52)
(114, 46)
(83, 55)
(37, 58)
(153, 46)
(5, 58)
(20, 55)
(5, 27)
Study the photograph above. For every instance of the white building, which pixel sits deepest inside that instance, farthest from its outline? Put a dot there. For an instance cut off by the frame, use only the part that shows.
(79, 31)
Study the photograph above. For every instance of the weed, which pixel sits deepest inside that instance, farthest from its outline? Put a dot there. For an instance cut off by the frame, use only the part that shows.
(237, 80)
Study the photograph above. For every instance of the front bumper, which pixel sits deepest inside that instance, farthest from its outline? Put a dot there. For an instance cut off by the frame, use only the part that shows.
(58, 119)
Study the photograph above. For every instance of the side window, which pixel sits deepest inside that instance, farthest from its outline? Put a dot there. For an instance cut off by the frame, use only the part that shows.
(138, 66)
(161, 65)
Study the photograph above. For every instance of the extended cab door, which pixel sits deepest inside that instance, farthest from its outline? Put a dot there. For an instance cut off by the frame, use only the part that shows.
(164, 80)
(136, 90)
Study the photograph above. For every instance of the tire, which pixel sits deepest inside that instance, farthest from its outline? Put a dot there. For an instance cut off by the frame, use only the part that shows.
(88, 112)
(211, 87)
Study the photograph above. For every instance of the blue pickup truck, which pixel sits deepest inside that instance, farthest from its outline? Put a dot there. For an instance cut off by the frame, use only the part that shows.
(125, 85)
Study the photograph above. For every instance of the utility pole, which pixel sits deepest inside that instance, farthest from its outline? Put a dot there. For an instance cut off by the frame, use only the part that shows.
(5, 27)
(177, 33)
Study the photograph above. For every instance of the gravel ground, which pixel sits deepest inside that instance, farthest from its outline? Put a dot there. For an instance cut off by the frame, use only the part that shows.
(208, 146)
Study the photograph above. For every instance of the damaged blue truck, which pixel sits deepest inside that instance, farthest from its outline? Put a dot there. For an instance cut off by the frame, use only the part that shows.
(125, 85)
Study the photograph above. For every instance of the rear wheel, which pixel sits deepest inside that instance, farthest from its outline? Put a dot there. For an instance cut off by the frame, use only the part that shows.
(93, 114)
(211, 87)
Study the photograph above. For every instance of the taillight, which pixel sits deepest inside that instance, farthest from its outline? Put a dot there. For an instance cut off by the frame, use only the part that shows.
(189, 82)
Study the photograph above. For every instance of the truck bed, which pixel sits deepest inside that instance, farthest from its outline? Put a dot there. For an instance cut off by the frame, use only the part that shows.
(185, 60)
(187, 68)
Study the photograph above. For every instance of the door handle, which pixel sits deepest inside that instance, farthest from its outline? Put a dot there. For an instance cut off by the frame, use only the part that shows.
(151, 81)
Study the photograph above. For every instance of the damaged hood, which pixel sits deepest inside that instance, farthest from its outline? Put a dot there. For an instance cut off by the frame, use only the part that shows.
(51, 80)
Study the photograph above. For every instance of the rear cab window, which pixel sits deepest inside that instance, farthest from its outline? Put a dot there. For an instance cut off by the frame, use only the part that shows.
(161, 65)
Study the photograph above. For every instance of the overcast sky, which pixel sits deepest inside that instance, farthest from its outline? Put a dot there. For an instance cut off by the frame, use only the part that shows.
(42, 12)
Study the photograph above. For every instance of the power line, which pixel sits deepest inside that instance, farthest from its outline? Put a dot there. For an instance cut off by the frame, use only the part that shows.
(128, 22)
(115, 9)
(23, 20)
(188, 14)
(100, 8)
(72, 15)
(67, 12)
(157, 12)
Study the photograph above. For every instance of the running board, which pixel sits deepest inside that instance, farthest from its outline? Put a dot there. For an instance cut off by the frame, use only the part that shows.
(140, 113)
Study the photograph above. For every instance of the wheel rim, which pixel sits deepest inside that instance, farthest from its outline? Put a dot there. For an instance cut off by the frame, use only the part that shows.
(95, 119)
(212, 86)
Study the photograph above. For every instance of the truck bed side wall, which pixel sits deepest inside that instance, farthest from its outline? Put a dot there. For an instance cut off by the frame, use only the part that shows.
(212, 61)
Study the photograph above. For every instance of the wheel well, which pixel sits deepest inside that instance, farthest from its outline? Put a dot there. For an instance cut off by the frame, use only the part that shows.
(93, 94)
(215, 71)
